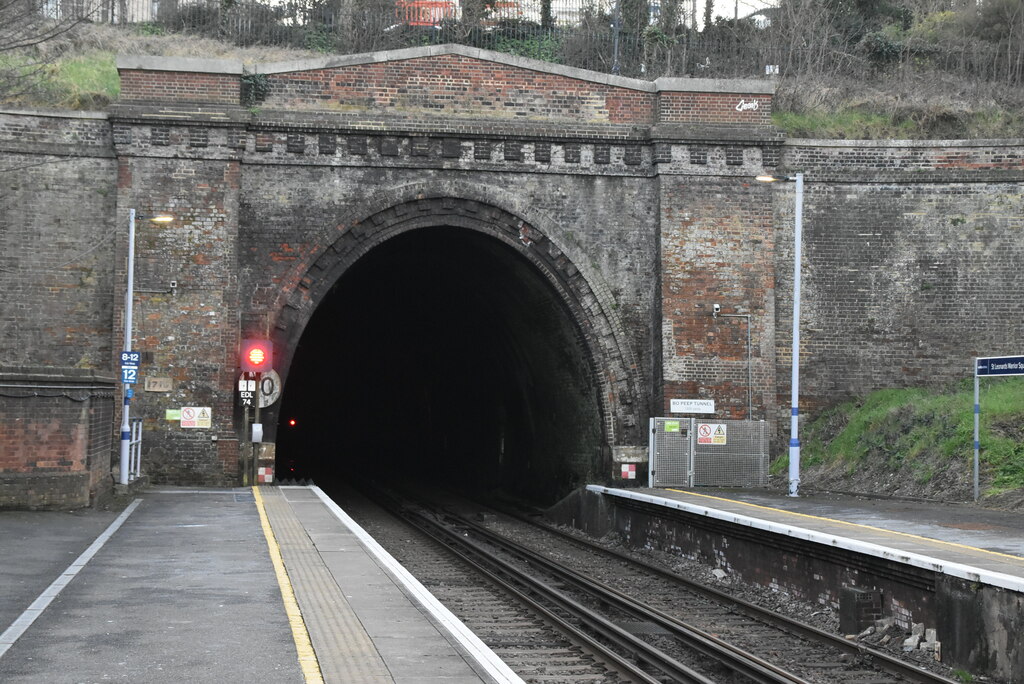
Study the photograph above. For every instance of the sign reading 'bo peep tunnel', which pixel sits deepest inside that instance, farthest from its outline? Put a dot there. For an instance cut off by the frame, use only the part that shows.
(988, 366)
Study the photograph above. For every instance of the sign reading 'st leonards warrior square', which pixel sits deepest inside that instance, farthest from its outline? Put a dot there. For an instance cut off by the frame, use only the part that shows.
(1000, 365)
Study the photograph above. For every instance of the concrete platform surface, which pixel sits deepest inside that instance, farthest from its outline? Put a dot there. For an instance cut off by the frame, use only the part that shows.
(185, 585)
(961, 539)
(182, 591)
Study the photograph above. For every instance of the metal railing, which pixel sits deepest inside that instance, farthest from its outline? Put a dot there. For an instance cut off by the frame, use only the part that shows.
(589, 34)
(644, 39)
(135, 450)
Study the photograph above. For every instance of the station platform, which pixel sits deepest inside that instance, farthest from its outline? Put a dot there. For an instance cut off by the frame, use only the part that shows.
(966, 541)
(271, 584)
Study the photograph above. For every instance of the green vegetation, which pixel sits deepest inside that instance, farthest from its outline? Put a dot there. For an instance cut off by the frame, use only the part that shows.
(920, 432)
(845, 125)
(87, 81)
(545, 48)
(857, 124)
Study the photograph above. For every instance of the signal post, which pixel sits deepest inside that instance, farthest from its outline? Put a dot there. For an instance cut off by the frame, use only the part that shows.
(256, 358)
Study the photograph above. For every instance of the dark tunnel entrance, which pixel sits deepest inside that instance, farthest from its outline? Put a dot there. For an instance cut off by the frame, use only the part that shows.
(443, 355)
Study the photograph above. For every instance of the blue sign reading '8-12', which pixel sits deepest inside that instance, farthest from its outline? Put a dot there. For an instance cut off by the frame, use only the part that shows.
(999, 365)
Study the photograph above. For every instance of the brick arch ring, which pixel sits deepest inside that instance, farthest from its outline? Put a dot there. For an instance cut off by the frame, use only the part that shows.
(408, 208)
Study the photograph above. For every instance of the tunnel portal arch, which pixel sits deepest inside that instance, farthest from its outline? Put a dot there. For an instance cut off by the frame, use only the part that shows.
(583, 295)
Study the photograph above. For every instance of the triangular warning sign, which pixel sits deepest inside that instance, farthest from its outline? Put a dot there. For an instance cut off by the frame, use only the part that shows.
(720, 430)
(203, 413)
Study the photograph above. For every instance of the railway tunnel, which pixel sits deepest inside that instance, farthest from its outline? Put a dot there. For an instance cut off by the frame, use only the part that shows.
(442, 355)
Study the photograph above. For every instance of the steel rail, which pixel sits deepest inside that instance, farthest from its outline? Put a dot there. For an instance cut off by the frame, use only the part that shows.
(636, 647)
(893, 665)
(736, 659)
(443, 537)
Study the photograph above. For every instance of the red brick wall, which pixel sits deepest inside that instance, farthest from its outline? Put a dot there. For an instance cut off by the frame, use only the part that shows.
(731, 108)
(717, 246)
(55, 438)
(139, 85)
(455, 85)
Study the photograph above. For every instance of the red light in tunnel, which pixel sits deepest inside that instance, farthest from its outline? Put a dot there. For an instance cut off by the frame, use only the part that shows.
(291, 422)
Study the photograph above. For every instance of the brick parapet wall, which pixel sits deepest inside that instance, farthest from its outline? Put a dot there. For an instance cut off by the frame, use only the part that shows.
(452, 83)
(457, 86)
(143, 85)
(55, 437)
(715, 108)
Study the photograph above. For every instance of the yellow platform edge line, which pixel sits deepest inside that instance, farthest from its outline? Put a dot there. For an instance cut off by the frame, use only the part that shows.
(308, 661)
(851, 524)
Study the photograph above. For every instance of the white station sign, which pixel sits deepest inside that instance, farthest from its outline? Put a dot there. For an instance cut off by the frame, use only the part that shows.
(692, 406)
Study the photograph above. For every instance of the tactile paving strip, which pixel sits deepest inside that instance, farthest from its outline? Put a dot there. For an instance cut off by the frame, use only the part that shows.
(345, 651)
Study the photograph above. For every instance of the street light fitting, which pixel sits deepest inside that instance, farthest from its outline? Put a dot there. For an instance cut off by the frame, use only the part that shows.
(794, 419)
(129, 295)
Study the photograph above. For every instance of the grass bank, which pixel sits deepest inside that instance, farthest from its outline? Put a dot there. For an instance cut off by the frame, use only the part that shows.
(918, 442)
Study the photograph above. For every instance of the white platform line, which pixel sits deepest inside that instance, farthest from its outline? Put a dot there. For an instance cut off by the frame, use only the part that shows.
(480, 652)
(967, 572)
(25, 620)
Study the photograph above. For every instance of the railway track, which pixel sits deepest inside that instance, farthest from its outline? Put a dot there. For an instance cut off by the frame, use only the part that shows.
(598, 615)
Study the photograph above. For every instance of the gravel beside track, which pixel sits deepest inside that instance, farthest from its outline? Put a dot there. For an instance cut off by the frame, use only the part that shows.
(538, 653)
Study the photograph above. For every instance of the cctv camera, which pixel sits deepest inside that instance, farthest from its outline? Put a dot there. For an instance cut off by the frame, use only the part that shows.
(716, 309)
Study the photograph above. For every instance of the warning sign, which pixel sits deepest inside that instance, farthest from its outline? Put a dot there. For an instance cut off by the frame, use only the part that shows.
(711, 433)
(196, 417)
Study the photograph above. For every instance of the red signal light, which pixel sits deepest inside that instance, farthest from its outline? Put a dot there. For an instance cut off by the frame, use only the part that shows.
(291, 422)
(257, 356)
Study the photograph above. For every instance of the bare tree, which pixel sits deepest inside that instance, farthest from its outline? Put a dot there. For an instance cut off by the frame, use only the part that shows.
(27, 32)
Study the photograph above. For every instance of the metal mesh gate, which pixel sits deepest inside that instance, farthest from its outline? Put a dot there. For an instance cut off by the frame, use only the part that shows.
(734, 455)
(671, 452)
(690, 452)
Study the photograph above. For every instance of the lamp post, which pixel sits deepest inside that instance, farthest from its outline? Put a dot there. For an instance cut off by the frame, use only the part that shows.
(794, 439)
(129, 295)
